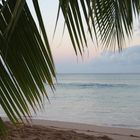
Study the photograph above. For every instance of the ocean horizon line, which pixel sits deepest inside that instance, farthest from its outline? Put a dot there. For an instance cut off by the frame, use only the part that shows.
(97, 73)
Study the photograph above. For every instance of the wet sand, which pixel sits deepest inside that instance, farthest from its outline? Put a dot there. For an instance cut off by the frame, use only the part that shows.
(55, 130)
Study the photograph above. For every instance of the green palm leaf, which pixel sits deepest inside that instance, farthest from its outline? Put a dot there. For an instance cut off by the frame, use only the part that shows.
(25, 61)
(111, 21)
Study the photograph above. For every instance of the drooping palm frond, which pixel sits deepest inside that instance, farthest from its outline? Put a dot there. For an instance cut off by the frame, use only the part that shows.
(26, 61)
(108, 21)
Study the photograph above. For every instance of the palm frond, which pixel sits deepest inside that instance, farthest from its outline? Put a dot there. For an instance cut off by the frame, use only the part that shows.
(108, 21)
(26, 61)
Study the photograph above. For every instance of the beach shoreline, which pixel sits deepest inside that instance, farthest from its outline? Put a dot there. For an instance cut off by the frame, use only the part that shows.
(67, 130)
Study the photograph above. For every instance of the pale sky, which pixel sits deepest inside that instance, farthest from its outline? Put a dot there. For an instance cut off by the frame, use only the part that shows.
(94, 60)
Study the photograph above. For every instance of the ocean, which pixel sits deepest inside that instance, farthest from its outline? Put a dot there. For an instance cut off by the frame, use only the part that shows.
(101, 99)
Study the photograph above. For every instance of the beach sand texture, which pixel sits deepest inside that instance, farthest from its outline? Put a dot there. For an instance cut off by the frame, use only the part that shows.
(55, 130)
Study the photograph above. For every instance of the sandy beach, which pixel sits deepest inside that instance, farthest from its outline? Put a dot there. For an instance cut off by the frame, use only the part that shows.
(56, 130)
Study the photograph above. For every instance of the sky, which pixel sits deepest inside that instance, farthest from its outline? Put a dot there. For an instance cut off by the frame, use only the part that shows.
(94, 60)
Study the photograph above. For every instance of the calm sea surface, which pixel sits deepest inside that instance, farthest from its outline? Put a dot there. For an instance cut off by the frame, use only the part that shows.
(100, 99)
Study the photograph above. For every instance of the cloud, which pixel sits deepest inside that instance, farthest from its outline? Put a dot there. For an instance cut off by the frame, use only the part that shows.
(128, 61)
(127, 56)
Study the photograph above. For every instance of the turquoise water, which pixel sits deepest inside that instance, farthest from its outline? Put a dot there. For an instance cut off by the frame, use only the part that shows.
(99, 99)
